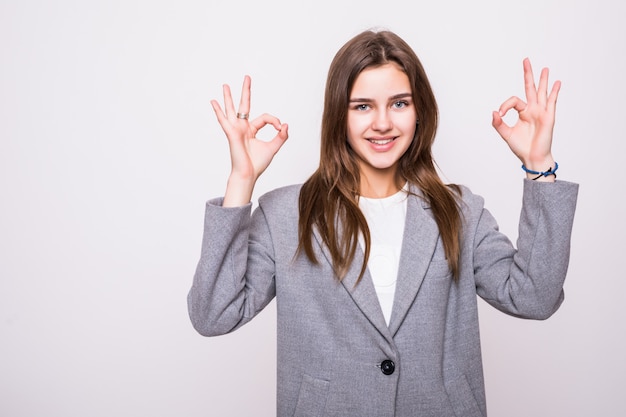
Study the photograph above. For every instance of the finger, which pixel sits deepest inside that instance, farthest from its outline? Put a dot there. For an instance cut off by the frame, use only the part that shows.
(502, 128)
(552, 98)
(529, 82)
(228, 101)
(221, 117)
(216, 108)
(512, 103)
(265, 119)
(244, 102)
(542, 91)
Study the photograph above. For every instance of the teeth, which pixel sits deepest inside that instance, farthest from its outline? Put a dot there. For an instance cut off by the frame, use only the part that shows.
(380, 142)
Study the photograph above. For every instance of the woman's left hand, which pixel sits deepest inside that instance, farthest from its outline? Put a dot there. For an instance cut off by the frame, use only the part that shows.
(530, 138)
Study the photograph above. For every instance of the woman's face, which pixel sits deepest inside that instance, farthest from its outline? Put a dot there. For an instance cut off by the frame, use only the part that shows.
(381, 120)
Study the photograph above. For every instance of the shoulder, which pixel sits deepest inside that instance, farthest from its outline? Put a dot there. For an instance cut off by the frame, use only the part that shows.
(282, 200)
(280, 194)
(467, 198)
(471, 205)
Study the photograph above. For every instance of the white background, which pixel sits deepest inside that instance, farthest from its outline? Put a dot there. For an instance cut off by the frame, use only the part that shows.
(109, 149)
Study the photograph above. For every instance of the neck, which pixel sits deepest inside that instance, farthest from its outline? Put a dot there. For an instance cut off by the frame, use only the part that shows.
(381, 185)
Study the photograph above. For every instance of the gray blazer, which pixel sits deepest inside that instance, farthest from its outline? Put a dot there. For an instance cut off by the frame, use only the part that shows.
(336, 354)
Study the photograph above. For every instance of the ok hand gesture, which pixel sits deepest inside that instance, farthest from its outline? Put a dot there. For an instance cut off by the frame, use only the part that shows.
(530, 138)
(249, 155)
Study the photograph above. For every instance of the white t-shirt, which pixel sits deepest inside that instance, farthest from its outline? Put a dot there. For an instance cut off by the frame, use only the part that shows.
(385, 219)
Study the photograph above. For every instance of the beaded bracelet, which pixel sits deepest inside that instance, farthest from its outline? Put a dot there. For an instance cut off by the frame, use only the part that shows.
(538, 174)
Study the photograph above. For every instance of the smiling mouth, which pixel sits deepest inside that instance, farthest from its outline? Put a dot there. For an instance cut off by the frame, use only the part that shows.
(381, 141)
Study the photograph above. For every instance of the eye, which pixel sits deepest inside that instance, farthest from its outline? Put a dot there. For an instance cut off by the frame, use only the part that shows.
(400, 104)
(362, 107)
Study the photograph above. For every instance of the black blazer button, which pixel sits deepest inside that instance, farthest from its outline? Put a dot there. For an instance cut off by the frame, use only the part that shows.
(387, 367)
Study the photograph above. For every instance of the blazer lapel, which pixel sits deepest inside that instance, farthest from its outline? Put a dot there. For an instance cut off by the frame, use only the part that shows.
(418, 245)
(363, 293)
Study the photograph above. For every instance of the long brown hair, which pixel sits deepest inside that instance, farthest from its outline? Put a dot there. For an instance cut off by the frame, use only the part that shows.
(329, 198)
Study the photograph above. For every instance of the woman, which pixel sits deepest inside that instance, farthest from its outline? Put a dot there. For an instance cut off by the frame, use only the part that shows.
(374, 262)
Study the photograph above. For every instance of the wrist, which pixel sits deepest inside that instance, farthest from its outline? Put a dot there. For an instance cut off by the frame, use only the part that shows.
(539, 164)
(545, 175)
(238, 191)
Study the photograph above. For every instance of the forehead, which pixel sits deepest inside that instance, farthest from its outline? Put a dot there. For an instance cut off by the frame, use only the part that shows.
(385, 80)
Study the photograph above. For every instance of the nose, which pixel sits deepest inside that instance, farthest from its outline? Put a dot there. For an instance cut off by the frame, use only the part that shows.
(382, 121)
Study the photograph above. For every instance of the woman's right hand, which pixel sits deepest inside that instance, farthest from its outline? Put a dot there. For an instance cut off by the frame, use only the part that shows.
(249, 155)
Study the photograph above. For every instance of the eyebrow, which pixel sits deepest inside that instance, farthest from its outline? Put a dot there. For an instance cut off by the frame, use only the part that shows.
(394, 97)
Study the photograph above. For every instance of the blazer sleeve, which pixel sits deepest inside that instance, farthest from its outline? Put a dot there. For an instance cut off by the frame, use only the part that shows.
(528, 281)
(234, 278)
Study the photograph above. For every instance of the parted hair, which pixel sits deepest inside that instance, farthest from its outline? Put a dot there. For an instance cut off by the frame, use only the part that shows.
(328, 200)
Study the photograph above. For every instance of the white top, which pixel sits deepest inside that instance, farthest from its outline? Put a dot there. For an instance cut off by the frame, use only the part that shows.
(385, 219)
